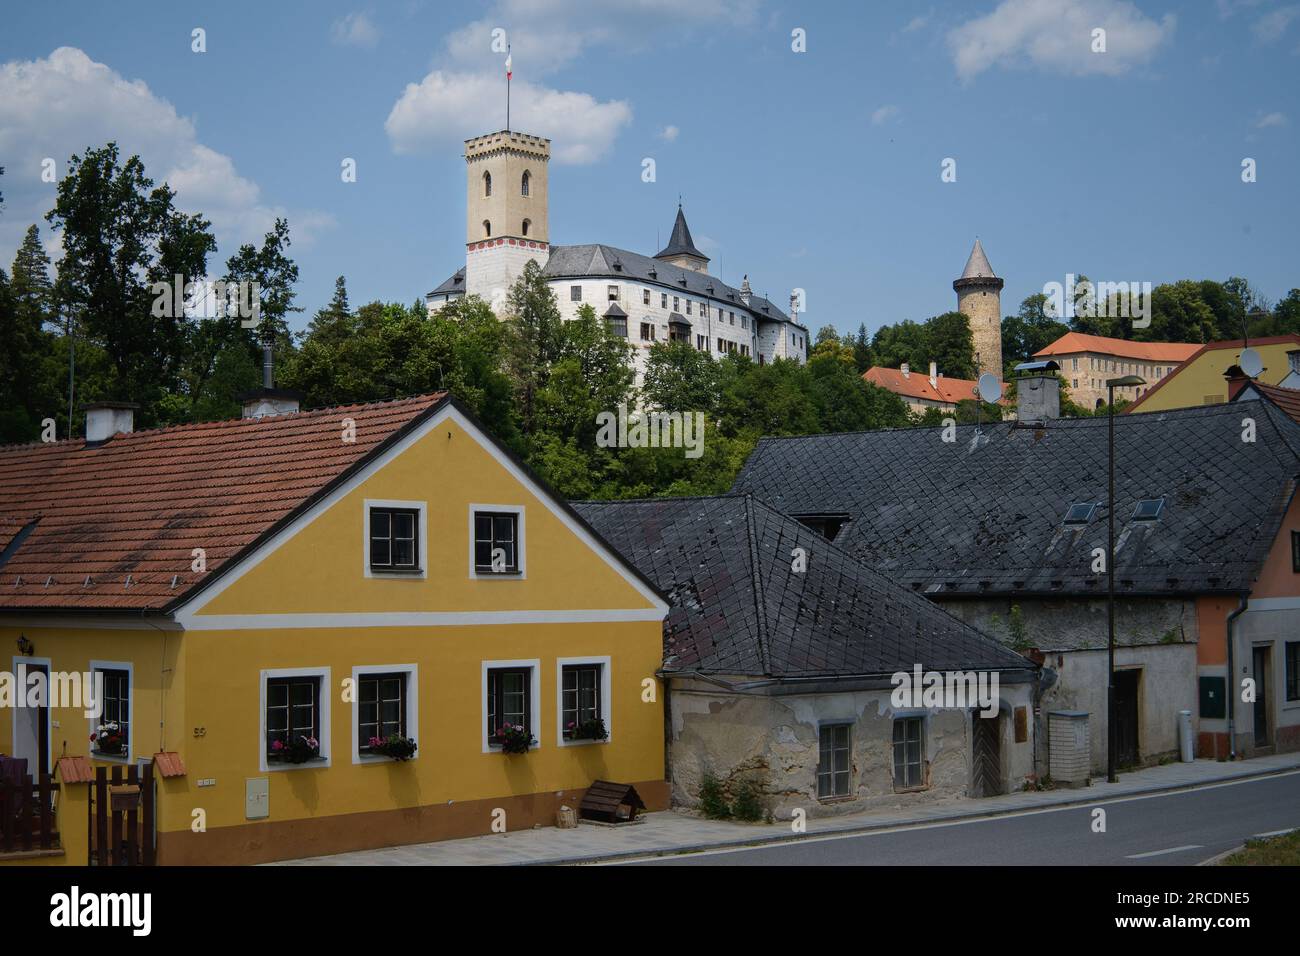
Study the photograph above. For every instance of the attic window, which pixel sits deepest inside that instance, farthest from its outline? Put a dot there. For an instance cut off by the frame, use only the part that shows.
(1148, 509)
(1080, 513)
(826, 525)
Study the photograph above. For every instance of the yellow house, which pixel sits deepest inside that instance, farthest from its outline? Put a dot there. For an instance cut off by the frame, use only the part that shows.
(278, 605)
(1200, 380)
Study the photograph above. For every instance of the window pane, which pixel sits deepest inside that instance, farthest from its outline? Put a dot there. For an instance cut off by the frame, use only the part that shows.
(503, 528)
(380, 523)
(380, 554)
(403, 553)
(483, 554)
(302, 693)
(403, 525)
(482, 527)
(277, 695)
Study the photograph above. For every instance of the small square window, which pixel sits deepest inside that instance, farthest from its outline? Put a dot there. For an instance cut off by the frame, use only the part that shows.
(1148, 509)
(394, 539)
(909, 754)
(293, 721)
(1080, 513)
(833, 761)
(381, 707)
(496, 542)
(613, 293)
(509, 700)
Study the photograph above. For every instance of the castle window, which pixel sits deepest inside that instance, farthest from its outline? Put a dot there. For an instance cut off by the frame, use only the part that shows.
(647, 332)
(616, 326)
(487, 184)
(663, 300)
(527, 223)
(645, 296)
(676, 304)
(688, 306)
(575, 293)
(487, 229)
(523, 183)
(702, 343)
(613, 293)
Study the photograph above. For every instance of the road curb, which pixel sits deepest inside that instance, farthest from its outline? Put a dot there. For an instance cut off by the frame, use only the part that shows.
(774, 839)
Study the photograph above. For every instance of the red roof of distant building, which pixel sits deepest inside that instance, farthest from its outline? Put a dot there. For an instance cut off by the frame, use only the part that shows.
(1287, 399)
(110, 526)
(916, 385)
(1074, 343)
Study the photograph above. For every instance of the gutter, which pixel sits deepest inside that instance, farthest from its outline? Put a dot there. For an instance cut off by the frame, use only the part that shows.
(1231, 682)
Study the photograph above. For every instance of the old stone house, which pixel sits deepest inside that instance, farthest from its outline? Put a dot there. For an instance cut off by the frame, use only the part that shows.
(1005, 526)
(779, 655)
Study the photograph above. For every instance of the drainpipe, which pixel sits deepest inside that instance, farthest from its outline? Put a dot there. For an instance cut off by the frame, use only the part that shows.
(1232, 675)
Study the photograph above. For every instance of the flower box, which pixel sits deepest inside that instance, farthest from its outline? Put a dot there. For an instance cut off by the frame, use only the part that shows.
(512, 739)
(394, 746)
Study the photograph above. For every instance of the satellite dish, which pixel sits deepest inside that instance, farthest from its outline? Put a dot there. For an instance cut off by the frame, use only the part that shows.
(989, 388)
(1250, 362)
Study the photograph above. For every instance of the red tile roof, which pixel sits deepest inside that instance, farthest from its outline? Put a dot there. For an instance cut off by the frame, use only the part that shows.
(917, 385)
(169, 764)
(75, 770)
(1072, 343)
(116, 523)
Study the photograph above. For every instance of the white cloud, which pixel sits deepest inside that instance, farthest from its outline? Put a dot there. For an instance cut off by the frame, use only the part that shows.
(1056, 36)
(465, 89)
(669, 133)
(1271, 119)
(355, 29)
(884, 114)
(1271, 26)
(67, 102)
(917, 23)
(447, 108)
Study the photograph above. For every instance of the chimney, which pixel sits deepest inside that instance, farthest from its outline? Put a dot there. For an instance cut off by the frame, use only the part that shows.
(934, 375)
(1038, 392)
(905, 369)
(106, 419)
(1237, 380)
(269, 400)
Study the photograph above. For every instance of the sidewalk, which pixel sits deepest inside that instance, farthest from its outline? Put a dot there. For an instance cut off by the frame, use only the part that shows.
(668, 832)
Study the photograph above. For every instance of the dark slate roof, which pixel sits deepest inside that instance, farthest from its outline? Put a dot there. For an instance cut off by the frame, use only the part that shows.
(971, 518)
(573, 262)
(737, 607)
(680, 242)
(454, 284)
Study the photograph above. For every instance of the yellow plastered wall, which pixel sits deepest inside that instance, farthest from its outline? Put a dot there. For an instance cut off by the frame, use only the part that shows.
(224, 685)
(320, 570)
(1202, 377)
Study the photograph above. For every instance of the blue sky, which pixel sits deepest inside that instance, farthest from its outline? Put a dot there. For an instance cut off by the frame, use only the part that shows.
(818, 170)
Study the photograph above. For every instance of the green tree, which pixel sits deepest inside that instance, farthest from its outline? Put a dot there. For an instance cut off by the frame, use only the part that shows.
(534, 340)
(680, 378)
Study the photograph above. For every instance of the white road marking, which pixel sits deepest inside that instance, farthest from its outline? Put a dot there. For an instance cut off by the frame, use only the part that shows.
(1273, 833)
(1173, 849)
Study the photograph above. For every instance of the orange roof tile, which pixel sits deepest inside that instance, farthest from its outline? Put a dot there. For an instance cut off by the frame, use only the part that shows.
(917, 385)
(116, 523)
(1078, 342)
(169, 764)
(75, 770)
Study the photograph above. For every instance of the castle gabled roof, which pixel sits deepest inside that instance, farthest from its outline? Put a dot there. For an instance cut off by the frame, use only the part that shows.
(738, 606)
(680, 242)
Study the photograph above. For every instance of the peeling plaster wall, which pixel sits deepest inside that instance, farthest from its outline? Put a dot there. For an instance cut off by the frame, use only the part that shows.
(774, 741)
(1156, 635)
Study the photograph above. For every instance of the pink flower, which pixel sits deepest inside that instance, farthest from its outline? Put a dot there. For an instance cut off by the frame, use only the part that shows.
(278, 745)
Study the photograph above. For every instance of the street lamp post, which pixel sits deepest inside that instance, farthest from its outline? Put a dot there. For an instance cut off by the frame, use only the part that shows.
(1111, 385)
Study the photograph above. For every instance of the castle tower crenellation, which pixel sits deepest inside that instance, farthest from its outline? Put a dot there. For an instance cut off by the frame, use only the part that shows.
(979, 298)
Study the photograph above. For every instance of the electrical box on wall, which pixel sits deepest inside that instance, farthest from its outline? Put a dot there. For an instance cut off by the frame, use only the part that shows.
(257, 798)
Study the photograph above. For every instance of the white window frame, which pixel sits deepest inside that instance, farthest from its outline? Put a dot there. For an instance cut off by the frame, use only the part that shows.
(94, 722)
(410, 697)
(605, 713)
(326, 693)
(422, 546)
(521, 551)
(534, 700)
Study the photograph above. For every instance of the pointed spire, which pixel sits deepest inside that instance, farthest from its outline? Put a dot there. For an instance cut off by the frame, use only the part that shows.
(680, 242)
(977, 266)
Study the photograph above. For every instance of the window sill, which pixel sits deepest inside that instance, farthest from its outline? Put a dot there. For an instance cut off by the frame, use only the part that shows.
(838, 798)
(398, 572)
(480, 573)
(112, 758)
(315, 763)
(366, 757)
(581, 742)
(918, 789)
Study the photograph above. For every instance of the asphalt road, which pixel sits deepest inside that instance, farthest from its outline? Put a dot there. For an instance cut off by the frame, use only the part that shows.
(1178, 829)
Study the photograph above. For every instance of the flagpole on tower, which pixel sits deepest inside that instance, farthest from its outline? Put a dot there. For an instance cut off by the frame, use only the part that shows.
(508, 73)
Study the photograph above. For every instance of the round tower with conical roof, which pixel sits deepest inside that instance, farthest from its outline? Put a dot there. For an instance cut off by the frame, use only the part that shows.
(979, 298)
